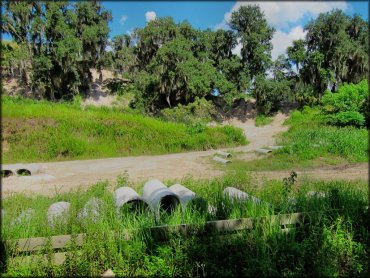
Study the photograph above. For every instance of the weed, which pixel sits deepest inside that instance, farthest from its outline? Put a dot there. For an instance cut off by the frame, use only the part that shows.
(262, 120)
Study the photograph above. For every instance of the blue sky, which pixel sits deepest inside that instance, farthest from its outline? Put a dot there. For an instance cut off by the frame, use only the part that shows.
(288, 17)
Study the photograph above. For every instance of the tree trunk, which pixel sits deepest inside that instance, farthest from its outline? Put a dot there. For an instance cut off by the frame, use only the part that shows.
(168, 100)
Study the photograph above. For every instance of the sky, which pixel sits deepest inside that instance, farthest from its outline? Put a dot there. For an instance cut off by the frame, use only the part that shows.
(288, 17)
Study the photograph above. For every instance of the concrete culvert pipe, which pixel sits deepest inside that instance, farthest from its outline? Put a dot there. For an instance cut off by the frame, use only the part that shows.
(126, 197)
(6, 173)
(316, 194)
(92, 209)
(158, 196)
(58, 213)
(188, 197)
(236, 194)
(23, 172)
(24, 217)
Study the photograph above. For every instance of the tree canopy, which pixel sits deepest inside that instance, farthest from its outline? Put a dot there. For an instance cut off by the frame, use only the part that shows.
(56, 44)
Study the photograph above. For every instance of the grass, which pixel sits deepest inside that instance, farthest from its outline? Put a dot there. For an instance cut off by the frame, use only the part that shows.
(44, 131)
(310, 143)
(333, 243)
(262, 120)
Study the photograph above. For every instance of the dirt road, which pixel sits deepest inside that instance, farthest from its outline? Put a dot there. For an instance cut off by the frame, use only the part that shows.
(61, 177)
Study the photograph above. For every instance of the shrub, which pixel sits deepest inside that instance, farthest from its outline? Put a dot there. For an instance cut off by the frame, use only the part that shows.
(199, 110)
(269, 94)
(348, 106)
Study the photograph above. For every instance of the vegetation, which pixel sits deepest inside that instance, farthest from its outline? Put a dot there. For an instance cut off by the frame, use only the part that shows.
(185, 77)
(310, 142)
(173, 63)
(262, 120)
(333, 242)
(349, 106)
(44, 131)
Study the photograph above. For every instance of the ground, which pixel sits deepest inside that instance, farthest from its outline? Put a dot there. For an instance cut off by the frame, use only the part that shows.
(54, 177)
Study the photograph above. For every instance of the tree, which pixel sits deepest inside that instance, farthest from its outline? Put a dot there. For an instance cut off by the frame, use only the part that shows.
(341, 42)
(297, 53)
(255, 36)
(152, 37)
(269, 93)
(63, 42)
(124, 59)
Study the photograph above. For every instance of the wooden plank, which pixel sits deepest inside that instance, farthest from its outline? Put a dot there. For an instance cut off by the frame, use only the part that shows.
(57, 259)
(38, 243)
(158, 232)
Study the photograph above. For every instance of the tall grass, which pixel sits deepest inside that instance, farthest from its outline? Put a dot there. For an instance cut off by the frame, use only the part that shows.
(309, 140)
(262, 120)
(332, 243)
(44, 131)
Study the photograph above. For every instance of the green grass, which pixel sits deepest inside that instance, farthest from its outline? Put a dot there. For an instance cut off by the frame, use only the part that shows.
(44, 131)
(262, 120)
(333, 243)
(310, 143)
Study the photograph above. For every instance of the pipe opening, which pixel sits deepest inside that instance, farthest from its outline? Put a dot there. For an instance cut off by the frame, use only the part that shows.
(135, 206)
(23, 172)
(169, 203)
(6, 173)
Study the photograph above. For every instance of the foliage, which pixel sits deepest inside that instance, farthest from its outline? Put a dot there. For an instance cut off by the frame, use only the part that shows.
(255, 36)
(199, 110)
(62, 41)
(57, 131)
(262, 120)
(269, 93)
(332, 242)
(347, 106)
(335, 51)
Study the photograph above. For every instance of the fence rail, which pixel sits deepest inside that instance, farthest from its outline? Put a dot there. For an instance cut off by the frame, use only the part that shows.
(21, 248)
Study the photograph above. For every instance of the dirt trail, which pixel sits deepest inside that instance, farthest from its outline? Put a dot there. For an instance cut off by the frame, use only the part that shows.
(61, 177)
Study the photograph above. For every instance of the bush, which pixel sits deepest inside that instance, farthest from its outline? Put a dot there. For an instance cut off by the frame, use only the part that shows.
(348, 106)
(269, 94)
(200, 110)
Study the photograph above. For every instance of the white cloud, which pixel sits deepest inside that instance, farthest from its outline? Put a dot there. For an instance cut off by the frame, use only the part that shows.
(123, 19)
(280, 14)
(150, 15)
(237, 49)
(282, 40)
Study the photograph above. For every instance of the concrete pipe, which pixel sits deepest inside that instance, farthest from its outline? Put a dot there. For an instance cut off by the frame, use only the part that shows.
(212, 210)
(219, 159)
(6, 173)
(275, 147)
(23, 172)
(158, 196)
(224, 154)
(315, 194)
(264, 151)
(92, 209)
(24, 217)
(128, 198)
(58, 213)
(236, 194)
(188, 197)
